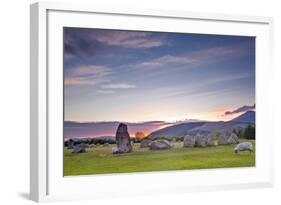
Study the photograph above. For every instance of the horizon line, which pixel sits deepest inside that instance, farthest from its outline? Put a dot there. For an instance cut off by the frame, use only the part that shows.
(158, 121)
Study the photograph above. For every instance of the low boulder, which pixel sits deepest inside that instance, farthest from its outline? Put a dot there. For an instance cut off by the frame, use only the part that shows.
(72, 142)
(201, 141)
(212, 140)
(233, 139)
(79, 148)
(228, 139)
(189, 141)
(115, 150)
(92, 146)
(222, 140)
(145, 143)
(160, 145)
(106, 144)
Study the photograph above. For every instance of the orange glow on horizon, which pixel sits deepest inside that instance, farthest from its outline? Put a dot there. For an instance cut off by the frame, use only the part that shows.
(216, 115)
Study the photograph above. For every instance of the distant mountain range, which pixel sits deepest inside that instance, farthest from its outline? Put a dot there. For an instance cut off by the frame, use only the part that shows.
(157, 128)
(206, 127)
(96, 129)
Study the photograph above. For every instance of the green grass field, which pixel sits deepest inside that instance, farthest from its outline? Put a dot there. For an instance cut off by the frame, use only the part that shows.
(100, 160)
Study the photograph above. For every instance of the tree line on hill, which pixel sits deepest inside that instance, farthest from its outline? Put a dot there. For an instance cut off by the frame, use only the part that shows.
(248, 133)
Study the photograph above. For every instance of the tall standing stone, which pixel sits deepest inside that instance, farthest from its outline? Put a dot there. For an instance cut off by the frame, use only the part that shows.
(123, 140)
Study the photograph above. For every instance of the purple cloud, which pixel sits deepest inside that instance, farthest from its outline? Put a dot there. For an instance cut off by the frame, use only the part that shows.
(118, 86)
(244, 108)
(129, 39)
(87, 75)
(87, 42)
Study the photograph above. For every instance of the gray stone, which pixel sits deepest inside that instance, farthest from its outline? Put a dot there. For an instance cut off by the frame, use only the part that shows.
(210, 140)
(145, 143)
(71, 143)
(223, 140)
(123, 140)
(233, 139)
(201, 141)
(115, 150)
(92, 146)
(189, 141)
(160, 145)
(79, 148)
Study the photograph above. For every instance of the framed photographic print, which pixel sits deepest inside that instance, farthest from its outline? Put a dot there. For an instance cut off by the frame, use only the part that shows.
(147, 101)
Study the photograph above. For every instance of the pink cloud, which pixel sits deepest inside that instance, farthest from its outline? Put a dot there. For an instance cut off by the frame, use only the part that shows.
(87, 75)
(239, 110)
(95, 75)
(130, 39)
(68, 55)
(118, 86)
(105, 91)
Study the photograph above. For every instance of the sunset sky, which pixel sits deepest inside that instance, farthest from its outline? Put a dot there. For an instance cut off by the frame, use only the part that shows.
(143, 76)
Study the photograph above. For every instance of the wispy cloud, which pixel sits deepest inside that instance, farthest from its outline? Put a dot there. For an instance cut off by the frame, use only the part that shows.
(105, 92)
(244, 108)
(130, 39)
(198, 57)
(95, 75)
(167, 59)
(118, 86)
(87, 75)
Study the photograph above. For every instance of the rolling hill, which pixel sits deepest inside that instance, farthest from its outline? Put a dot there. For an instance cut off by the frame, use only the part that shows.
(247, 117)
(205, 128)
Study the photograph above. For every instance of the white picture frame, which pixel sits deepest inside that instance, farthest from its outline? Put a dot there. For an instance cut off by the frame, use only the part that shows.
(46, 178)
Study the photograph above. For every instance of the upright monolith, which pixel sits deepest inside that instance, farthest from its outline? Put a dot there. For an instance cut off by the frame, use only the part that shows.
(123, 140)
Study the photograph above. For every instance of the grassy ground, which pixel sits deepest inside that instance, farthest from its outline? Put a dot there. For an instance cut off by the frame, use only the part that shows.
(100, 160)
